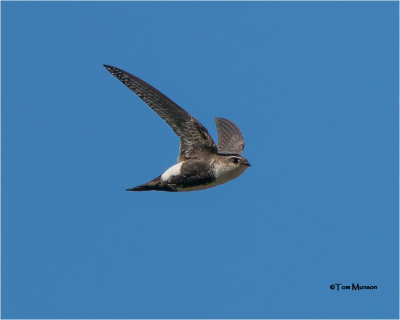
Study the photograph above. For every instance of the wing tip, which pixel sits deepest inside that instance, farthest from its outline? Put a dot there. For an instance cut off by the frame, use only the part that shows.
(108, 67)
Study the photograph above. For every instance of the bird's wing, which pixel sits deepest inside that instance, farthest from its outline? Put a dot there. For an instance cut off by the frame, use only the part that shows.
(230, 140)
(194, 138)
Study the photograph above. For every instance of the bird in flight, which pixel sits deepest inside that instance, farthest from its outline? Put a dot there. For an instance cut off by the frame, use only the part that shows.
(201, 164)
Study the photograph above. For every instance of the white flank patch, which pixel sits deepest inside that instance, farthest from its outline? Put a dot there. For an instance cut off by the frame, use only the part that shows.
(173, 171)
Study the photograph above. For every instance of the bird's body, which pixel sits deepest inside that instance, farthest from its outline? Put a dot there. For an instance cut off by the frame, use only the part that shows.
(201, 164)
(192, 175)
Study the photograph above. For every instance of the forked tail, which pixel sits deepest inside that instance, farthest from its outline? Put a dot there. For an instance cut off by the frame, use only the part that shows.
(154, 184)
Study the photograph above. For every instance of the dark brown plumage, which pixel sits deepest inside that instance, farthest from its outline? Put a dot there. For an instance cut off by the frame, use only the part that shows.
(194, 138)
(201, 164)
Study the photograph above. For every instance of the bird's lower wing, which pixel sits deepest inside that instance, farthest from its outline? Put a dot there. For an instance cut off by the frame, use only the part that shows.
(194, 138)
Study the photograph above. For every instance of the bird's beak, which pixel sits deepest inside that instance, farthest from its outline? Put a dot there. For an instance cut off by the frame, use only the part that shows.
(247, 163)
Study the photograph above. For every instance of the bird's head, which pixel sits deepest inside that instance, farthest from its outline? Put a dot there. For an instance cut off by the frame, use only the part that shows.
(231, 166)
(236, 161)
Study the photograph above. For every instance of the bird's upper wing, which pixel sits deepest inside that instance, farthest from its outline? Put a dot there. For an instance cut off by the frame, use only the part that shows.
(230, 140)
(194, 138)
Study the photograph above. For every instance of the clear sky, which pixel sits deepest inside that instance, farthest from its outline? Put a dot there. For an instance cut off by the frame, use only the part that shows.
(312, 86)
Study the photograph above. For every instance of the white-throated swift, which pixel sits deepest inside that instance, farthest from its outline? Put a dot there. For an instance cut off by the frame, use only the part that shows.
(201, 164)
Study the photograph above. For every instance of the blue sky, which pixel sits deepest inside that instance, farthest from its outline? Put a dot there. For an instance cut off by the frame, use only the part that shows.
(312, 86)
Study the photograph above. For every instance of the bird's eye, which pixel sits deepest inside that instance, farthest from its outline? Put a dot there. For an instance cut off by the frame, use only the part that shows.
(235, 160)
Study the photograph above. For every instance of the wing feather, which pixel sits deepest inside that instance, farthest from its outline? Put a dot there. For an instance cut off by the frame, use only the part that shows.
(230, 140)
(194, 138)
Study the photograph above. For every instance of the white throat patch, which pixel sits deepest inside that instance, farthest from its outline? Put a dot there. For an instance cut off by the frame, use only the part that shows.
(224, 173)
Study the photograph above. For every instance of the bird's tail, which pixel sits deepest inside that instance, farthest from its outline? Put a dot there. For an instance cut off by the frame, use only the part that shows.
(154, 184)
(142, 187)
